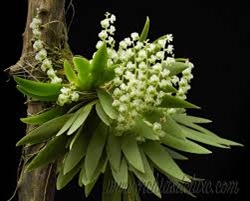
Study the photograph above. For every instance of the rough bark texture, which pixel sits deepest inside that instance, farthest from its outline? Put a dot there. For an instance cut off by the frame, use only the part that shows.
(39, 185)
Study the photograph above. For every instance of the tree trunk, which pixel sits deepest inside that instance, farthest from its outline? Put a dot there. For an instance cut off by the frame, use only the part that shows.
(39, 185)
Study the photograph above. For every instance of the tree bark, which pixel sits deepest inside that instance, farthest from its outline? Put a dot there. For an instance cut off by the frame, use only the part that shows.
(39, 185)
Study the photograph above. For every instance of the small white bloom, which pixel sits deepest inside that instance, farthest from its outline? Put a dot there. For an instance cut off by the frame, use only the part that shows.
(170, 49)
(116, 103)
(74, 96)
(160, 55)
(154, 79)
(128, 75)
(152, 59)
(191, 65)
(99, 44)
(136, 102)
(117, 81)
(135, 36)
(128, 41)
(151, 90)
(187, 72)
(123, 108)
(174, 80)
(105, 23)
(171, 111)
(123, 45)
(112, 18)
(62, 99)
(151, 47)
(170, 60)
(103, 34)
(51, 73)
(165, 72)
(41, 55)
(138, 45)
(119, 71)
(169, 37)
(117, 92)
(142, 54)
(112, 30)
(157, 127)
(37, 33)
(46, 64)
(65, 90)
(56, 80)
(125, 98)
(123, 87)
(130, 65)
(36, 22)
(183, 82)
(163, 83)
(142, 66)
(38, 45)
(157, 68)
(110, 40)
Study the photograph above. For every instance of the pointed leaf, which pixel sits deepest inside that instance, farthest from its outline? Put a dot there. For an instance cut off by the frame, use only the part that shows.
(131, 151)
(82, 116)
(187, 145)
(36, 97)
(172, 128)
(70, 73)
(99, 63)
(159, 155)
(45, 131)
(174, 102)
(88, 188)
(196, 119)
(175, 67)
(144, 33)
(113, 149)
(64, 179)
(176, 155)
(52, 151)
(106, 103)
(38, 88)
(76, 153)
(43, 117)
(143, 129)
(103, 116)
(148, 178)
(95, 148)
(121, 176)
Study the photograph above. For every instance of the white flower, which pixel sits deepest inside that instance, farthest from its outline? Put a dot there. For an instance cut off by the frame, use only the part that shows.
(38, 45)
(160, 55)
(135, 36)
(37, 33)
(125, 98)
(170, 49)
(123, 45)
(183, 82)
(103, 35)
(123, 87)
(105, 23)
(142, 54)
(130, 65)
(123, 108)
(74, 96)
(174, 80)
(117, 81)
(112, 18)
(62, 99)
(169, 60)
(169, 38)
(157, 127)
(128, 41)
(142, 65)
(138, 45)
(151, 47)
(116, 103)
(65, 90)
(36, 22)
(119, 71)
(152, 59)
(154, 79)
(41, 55)
(99, 44)
(165, 72)
(163, 83)
(46, 64)
(56, 80)
(51, 73)
(151, 90)
(111, 30)
(128, 75)
(187, 72)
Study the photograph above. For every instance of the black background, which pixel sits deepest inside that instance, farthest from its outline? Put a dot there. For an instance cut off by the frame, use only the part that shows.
(214, 35)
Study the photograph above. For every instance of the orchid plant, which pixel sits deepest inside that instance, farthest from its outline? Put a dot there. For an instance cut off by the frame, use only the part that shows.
(121, 113)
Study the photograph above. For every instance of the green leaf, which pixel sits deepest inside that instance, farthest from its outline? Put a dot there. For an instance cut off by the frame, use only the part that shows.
(113, 149)
(143, 129)
(121, 176)
(159, 155)
(99, 64)
(147, 178)
(168, 89)
(174, 102)
(196, 119)
(69, 123)
(131, 152)
(84, 72)
(187, 145)
(175, 67)
(45, 131)
(64, 179)
(82, 116)
(88, 188)
(106, 103)
(144, 33)
(103, 116)
(201, 137)
(180, 118)
(176, 155)
(70, 73)
(108, 75)
(172, 128)
(52, 151)
(38, 98)
(95, 148)
(43, 117)
(38, 88)
(77, 152)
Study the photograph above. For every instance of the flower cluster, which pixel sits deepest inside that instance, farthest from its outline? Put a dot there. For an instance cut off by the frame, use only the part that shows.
(68, 95)
(41, 52)
(142, 79)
